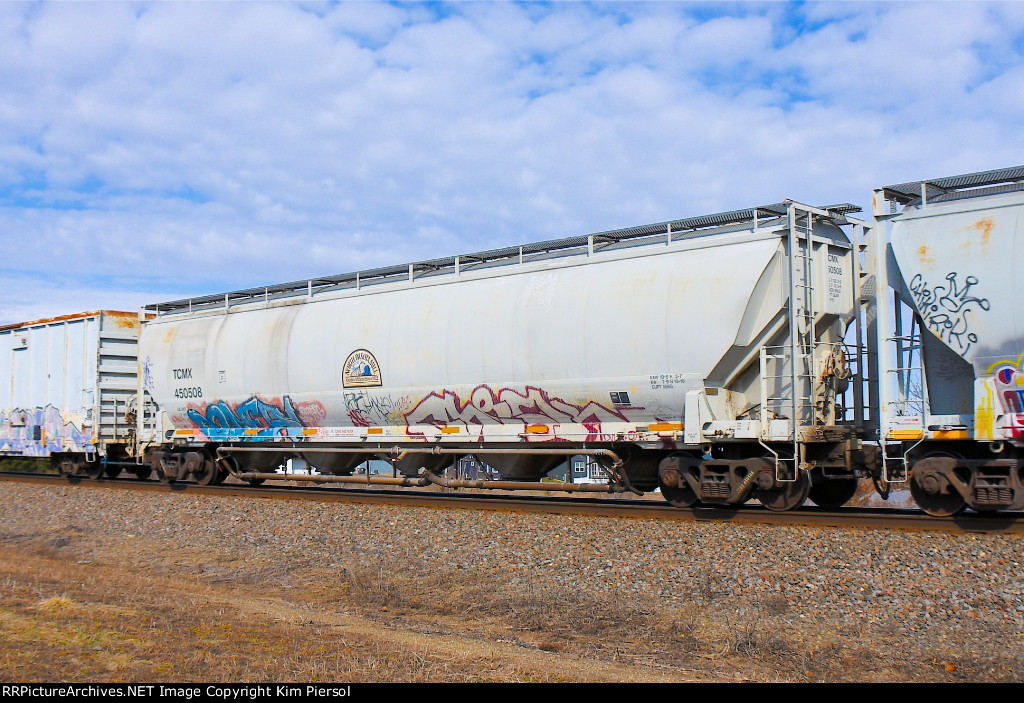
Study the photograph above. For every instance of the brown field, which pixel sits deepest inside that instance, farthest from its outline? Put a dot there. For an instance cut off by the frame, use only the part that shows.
(68, 619)
(94, 598)
(65, 620)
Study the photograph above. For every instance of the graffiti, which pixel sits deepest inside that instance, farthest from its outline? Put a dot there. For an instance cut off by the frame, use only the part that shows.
(1005, 399)
(253, 413)
(147, 375)
(40, 431)
(945, 308)
(487, 406)
(950, 369)
(364, 408)
(1010, 388)
(311, 412)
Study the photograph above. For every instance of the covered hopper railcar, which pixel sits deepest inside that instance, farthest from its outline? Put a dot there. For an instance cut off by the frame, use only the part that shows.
(670, 352)
(950, 381)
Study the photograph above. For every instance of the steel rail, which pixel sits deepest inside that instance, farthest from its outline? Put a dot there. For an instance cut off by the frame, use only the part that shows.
(865, 518)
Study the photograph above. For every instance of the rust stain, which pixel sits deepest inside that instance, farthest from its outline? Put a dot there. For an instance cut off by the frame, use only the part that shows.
(124, 320)
(65, 318)
(984, 227)
(925, 256)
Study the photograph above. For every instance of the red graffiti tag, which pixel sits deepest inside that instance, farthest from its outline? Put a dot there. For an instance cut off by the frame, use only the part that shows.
(487, 406)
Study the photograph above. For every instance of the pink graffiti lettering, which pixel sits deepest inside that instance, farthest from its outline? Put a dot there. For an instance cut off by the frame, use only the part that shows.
(311, 412)
(487, 406)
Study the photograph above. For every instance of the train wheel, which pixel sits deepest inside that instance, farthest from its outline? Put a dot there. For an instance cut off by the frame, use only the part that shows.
(226, 466)
(833, 493)
(112, 471)
(680, 496)
(256, 481)
(222, 475)
(142, 472)
(65, 466)
(934, 495)
(671, 477)
(208, 474)
(94, 469)
(786, 496)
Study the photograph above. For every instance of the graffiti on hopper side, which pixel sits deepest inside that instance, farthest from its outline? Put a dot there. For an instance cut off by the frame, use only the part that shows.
(365, 410)
(311, 412)
(40, 431)
(488, 406)
(1005, 399)
(945, 309)
(254, 412)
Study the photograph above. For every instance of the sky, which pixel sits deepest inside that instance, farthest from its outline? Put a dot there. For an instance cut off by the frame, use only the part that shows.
(155, 151)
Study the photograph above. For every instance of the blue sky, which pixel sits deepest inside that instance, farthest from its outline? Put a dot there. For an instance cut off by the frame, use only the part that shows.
(150, 151)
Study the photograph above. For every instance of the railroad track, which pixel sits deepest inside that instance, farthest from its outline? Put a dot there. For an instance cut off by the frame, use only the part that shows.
(884, 518)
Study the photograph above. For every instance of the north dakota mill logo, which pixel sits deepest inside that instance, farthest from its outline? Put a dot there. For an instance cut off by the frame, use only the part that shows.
(361, 370)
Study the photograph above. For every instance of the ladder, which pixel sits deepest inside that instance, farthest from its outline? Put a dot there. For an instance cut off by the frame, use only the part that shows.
(912, 399)
(802, 317)
(866, 410)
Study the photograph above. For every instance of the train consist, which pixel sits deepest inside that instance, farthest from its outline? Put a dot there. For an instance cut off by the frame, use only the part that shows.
(781, 353)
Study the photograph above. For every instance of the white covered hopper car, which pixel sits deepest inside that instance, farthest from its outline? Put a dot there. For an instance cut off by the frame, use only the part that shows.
(777, 353)
(951, 382)
(643, 347)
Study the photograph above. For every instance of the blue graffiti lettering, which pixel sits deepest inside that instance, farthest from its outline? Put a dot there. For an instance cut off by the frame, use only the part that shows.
(253, 413)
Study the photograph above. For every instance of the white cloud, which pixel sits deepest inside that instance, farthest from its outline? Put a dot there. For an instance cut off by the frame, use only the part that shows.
(176, 148)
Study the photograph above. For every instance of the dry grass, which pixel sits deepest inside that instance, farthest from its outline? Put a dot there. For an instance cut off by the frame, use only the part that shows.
(64, 620)
(70, 610)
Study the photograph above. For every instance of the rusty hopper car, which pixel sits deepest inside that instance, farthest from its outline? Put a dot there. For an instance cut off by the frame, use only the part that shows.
(67, 389)
(777, 353)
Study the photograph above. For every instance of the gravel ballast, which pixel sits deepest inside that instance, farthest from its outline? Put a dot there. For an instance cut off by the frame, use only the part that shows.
(952, 602)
